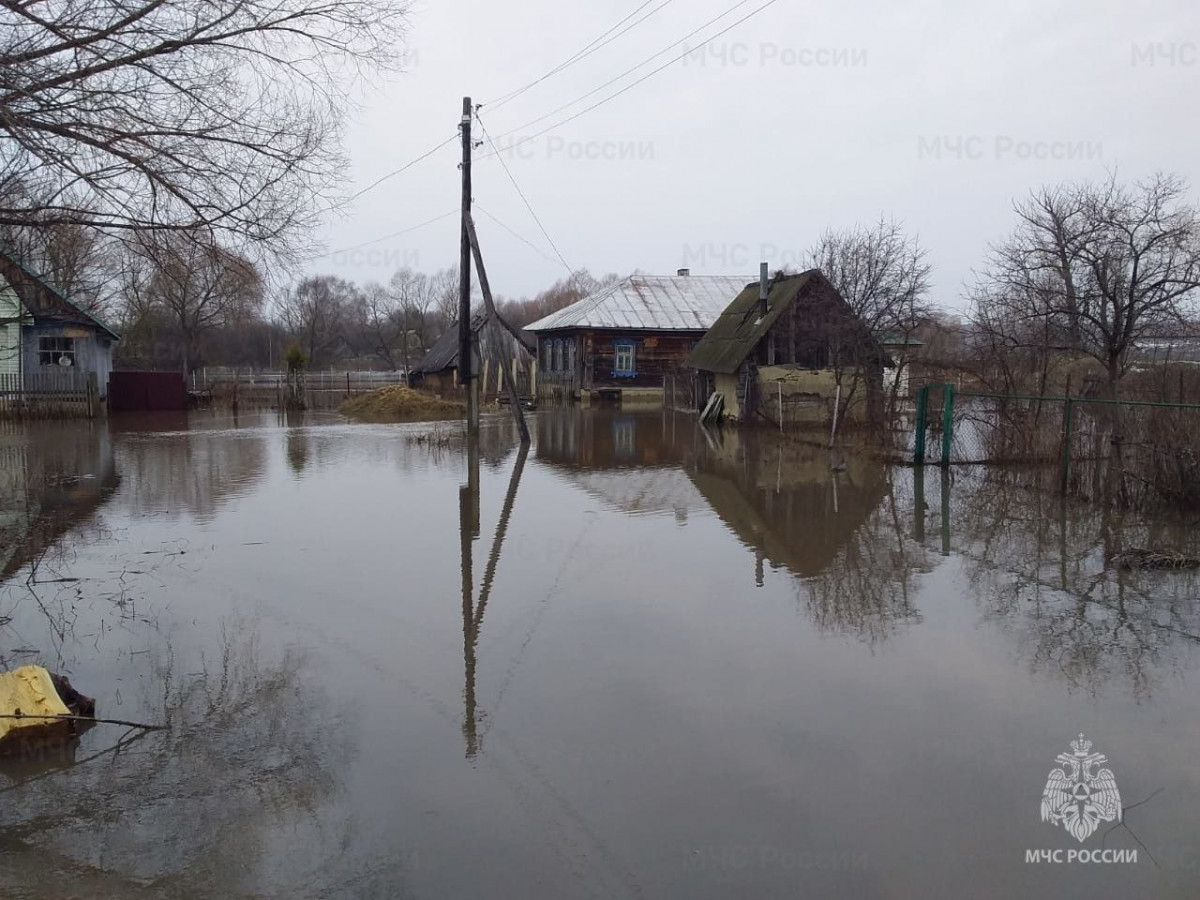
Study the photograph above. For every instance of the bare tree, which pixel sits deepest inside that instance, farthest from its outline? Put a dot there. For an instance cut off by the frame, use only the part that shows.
(197, 288)
(883, 275)
(215, 118)
(445, 295)
(415, 294)
(314, 313)
(1093, 268)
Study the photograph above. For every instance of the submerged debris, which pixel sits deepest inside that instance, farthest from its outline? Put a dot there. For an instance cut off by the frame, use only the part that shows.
(1140, 558)
(396, 403)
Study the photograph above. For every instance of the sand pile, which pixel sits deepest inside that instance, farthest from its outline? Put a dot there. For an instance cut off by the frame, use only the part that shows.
(396, 403)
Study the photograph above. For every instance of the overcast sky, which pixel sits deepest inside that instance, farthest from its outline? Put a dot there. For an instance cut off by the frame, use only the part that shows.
(808, 115)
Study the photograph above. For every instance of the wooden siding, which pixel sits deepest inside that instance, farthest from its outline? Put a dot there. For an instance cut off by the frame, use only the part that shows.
(593, 352)
(10, 332)
(93, 351)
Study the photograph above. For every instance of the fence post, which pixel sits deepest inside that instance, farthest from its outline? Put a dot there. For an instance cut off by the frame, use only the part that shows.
(1068, 430)
(947, 421)
(919, 442)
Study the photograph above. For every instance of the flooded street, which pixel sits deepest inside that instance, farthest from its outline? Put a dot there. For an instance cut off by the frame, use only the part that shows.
(647, 661)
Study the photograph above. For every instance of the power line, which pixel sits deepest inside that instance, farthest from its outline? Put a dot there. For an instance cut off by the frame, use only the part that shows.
(633, 84)
(378, 181)
(525, 199)
(628, 71)
(536, 249)
(587, 51)
(445, 215)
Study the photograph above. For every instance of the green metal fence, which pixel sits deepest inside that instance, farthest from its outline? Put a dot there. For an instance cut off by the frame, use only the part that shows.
(1140, 448)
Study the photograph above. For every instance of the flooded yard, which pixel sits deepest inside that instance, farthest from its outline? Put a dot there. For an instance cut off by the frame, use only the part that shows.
(641, 660)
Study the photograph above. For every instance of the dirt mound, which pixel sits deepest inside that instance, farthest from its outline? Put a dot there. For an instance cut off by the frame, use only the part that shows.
(396, 403)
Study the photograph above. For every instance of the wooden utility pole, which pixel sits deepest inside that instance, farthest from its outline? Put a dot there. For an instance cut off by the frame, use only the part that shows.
(466, 337)
(494, 317)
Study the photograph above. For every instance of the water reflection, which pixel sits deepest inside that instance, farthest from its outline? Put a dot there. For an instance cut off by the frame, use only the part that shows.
(473, 609)
(656, 622)
(186, 472)
(53, 479)
(252, 748)
(821, 520)
(1042, 569)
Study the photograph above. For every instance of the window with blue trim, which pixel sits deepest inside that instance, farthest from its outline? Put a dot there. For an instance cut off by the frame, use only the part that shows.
(624, 358)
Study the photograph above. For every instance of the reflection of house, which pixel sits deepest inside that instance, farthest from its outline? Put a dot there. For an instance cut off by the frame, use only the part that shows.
(629, 461)
(782, 346)
(629, 335)
(42, 332)
(783, 502)
(52, 480)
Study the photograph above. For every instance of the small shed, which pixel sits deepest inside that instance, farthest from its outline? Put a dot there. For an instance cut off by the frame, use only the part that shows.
(438, 369)
(785, 348)
(42, 332)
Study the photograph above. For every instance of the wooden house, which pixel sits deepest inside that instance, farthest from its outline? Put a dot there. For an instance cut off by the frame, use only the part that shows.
(44, 335)
(621, 341)
(786, 350)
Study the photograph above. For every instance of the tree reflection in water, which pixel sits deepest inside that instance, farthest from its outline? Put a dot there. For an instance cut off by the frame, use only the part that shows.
(1042, 568)
(253, 751)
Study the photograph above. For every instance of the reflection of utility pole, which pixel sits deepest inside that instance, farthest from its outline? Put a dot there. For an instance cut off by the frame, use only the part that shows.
(466, 337)
(473, 613)
(468, 531)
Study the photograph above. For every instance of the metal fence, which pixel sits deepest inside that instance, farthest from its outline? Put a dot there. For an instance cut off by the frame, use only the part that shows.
(1138, 450)
(322, 390)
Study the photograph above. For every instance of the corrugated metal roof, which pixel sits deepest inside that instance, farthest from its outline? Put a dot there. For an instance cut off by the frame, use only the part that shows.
(650, 303)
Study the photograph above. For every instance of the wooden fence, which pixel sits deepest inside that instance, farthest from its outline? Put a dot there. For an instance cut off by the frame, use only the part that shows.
(48, 395)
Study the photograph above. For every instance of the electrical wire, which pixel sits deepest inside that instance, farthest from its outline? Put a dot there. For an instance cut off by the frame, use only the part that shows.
(444, 215)
(525, 199)
(628, 71)
(378, 181)
(587, 51)
(536, 249)
(632, 85)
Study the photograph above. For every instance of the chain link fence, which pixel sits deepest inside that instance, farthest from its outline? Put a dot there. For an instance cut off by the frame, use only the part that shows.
(1139, 452)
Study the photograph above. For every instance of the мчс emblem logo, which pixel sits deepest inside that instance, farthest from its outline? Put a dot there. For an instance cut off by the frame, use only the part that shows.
(1078, 796)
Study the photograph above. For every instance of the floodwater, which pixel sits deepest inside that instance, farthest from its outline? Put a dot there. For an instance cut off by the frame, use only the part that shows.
(639, 661)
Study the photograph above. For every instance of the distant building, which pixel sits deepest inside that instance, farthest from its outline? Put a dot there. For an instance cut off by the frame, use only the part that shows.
(43, 332)
(901, 350)
(437, 370)
(620, 341)
(784, 356)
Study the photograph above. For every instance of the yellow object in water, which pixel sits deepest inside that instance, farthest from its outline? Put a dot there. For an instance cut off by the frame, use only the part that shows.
(29, 691)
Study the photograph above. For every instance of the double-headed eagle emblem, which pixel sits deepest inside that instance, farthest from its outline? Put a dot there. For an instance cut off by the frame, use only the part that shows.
(1078, 796)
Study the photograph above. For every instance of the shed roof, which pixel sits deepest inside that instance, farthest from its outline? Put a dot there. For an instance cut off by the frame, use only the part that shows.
(444, 352)
(649, 303)
(739, 328)
(41, 299)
